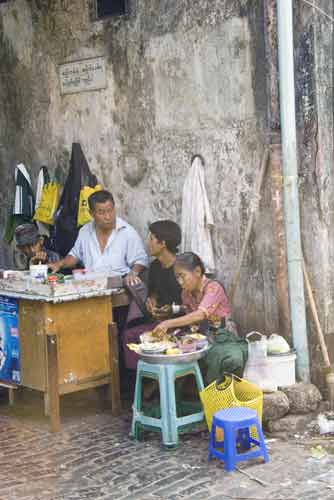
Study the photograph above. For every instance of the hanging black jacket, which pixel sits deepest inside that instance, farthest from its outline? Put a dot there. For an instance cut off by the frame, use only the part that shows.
(79, 175)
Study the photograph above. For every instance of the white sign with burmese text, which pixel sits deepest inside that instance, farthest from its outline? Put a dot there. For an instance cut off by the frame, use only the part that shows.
(81, 76)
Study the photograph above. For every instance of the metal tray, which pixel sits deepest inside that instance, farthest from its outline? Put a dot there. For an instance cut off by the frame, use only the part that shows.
(164, 359)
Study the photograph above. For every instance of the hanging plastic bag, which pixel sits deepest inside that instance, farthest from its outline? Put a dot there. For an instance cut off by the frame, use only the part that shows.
(48, 203)
(257, 369)
(276, 344)
(257, 348)
(83, 210)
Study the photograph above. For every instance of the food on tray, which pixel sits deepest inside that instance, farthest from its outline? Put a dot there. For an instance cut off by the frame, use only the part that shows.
(154, 335)
(21, 282)
(134, 347)
(170, 344)
(194, 328)
(197, 336)
(148, 337)
(153, 347)
(201, 340)
(187, 340)
(14, 275)
(172, 351)
(187, 347)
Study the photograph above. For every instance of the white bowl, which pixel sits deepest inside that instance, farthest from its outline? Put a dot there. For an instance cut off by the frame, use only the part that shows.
(152, 348)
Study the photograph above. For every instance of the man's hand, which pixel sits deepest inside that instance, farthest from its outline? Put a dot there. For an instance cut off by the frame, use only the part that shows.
(132, 279)
(150, 305)
(55, 266)
(161, 313)
(39, 257)
(67, 262)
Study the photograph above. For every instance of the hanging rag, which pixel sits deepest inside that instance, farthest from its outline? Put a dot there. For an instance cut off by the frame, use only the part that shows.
(22, 208)
(66, 229)
(24, 196)
(43, 178)
(197, 219)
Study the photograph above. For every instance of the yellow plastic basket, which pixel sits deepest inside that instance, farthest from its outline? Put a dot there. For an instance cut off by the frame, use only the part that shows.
(231, 392)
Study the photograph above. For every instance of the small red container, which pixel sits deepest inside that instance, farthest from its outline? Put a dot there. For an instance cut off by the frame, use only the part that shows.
(52, 279)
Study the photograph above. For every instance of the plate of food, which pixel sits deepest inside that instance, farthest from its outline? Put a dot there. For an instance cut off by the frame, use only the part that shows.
(187, 344)
(197, 336)
(174, 355)
(153, 347)
(201, 340)
(147, 337)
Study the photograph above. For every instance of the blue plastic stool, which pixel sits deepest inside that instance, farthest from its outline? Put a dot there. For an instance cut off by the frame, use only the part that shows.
(237, 444)
(169, 423)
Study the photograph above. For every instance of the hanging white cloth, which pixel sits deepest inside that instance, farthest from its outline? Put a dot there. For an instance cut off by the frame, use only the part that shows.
(24, 197)
(197, 219)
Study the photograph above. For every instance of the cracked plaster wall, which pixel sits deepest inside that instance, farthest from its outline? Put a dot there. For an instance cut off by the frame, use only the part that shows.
(314, 51)
(184, 77)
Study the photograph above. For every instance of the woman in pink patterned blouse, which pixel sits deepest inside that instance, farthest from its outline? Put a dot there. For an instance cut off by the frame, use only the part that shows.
(204, 301)
(208, 297)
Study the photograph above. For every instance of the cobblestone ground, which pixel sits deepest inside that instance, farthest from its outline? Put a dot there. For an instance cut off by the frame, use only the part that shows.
(92, 457)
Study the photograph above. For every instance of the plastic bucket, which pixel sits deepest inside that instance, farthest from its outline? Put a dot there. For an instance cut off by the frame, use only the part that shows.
(283, 368)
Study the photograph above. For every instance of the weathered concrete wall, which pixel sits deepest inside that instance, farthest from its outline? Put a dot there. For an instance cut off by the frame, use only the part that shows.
(314, 83)
(184, 77)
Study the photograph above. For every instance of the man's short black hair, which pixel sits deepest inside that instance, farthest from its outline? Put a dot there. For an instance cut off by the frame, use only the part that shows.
(167, 231)
(100, 197)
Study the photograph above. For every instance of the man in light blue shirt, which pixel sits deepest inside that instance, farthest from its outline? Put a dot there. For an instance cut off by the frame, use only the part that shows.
(108, 244)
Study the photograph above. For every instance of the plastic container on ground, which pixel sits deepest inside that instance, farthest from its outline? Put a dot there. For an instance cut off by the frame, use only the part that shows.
(283, 368)
(273, 371)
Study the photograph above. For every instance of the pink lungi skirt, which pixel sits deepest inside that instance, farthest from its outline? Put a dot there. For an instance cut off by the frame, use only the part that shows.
(131, 336)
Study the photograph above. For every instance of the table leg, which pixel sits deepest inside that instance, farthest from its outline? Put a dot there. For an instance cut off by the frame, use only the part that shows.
(114, 386)
(53, 389)
(11, 397)
(46, 404)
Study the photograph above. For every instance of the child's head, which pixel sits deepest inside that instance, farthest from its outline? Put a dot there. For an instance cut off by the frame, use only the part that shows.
(27, 239)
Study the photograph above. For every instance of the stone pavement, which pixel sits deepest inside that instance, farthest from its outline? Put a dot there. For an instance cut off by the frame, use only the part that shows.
(92, 457)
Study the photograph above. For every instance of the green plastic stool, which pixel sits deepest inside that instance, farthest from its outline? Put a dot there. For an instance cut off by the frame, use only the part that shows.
(169, 423)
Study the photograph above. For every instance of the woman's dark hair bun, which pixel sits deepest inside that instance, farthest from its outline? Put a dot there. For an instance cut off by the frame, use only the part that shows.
(189, 261)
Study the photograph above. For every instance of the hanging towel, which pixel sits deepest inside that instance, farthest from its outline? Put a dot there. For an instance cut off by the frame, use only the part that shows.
(197, 219)
(66, 229)
(24, 196)
(43, 178)
(22, 207)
